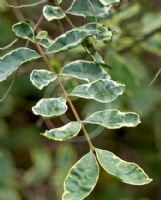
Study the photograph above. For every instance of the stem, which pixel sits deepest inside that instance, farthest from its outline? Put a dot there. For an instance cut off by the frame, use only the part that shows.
(46, 60)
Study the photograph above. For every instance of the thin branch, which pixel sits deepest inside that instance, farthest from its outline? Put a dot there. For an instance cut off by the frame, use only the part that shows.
(140, 40)
(155, 77)
(10, 87)
(25, 5)
(9, 45)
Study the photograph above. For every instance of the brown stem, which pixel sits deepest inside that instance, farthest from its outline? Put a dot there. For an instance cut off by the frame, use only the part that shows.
(46, 60)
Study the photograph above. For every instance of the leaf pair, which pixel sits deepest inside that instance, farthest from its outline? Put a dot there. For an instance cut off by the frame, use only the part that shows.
(83, 176)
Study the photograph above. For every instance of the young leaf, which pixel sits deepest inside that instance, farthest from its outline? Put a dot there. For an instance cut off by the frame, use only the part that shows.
(51, 13)
(127, 172)
(63, 133)
(73, 38)
(13, 60)
(41, 78)
(81, 179)
(88, 9)
(103, 90)
(105, 35)
(109, 2)
(113, 119)
(50, 107)
(42, 35)
(85, 70)
(23, 30)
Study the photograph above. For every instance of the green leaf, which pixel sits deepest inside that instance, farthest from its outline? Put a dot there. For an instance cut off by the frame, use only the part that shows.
(81, 179)
(88, 9)
(41, 78)
(113, 119)
(85, 70)
(127, 172)
(73, 38)
(13, 60)
(50, 13)
(23, 30)
(42, 35)
(45, 42)
(63, 133)
(50, 107)
(103, 90)
(105, 35)
(109, 2)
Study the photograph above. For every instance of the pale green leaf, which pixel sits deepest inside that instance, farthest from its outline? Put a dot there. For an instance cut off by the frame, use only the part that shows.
(41, 78)
(84, 70)
(88, 9)
(13, 60)
(113, 119)
(63, 133)
(109, 2)
(105, 34)
(127, 172)
(50, 107)
(23, 30)
(103, 90)
(73, 38)
(42, 35)
(50, 13)
(81, 179)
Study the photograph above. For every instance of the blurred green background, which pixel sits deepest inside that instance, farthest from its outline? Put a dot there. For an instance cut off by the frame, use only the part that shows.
(33, 168)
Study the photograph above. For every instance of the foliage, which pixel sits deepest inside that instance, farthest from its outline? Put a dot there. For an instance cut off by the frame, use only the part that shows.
(99, 87)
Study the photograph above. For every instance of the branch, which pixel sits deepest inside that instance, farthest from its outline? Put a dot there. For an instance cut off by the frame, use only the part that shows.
(25, 5)
(139, 40)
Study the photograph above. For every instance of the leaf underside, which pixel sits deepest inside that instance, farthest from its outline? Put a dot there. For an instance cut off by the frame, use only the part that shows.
(63, 133)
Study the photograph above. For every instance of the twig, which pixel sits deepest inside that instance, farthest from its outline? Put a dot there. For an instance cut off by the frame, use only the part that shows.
(9, 45)
(155, 77)
(10, 87)
(25, 5)
(140, 40)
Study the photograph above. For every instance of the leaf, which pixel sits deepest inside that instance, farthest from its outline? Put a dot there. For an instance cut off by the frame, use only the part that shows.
(81, 179)
(127, 172)
(109, 2)
(42, 35)
(45, 42)
(85, 70)
(88, 9)
(50, 13)
(73, 38)
(50, 107)
(41, 78)
(63, 133)
(13, 60)
(103, 90)
(105, 35)
(23, 30)
(113, 119)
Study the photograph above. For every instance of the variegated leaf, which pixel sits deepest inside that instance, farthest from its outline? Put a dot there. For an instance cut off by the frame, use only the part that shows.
(126, 172)
(113, 119)
(63, 133)
(51, 107)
